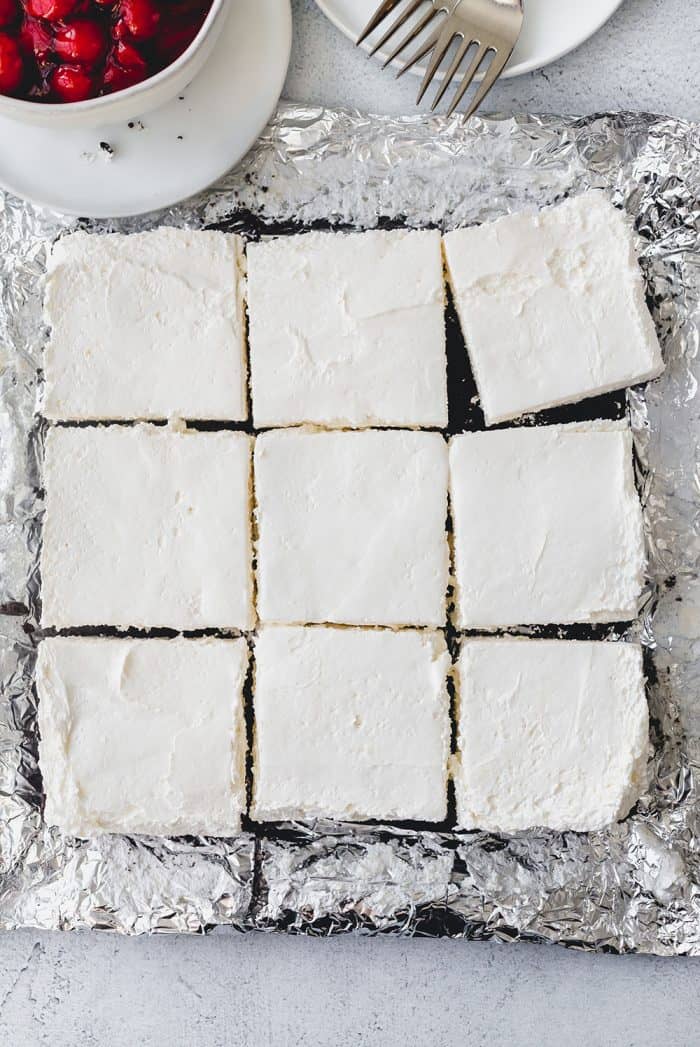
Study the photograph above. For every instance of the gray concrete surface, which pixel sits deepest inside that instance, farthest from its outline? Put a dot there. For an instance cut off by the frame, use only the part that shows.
(88, 990)
(647, 57)
(271, 991)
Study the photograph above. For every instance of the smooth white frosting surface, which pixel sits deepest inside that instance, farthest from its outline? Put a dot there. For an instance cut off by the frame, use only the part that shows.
(148, 527)
(547, 526)
(552, 306)
(148, 326)
(552, 733)
(350, 724)
(142, 736)
(348, 330)
(351, 527)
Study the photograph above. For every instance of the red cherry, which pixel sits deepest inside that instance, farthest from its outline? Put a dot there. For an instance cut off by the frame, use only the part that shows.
(140, 18)
(8, 11)
(35, 39)
(11, 65)
(129, 57)
(174, 39)
(51, 10)
(80, 41)
(118, 79)
(71, 83)
(192, 9)
(125, 68)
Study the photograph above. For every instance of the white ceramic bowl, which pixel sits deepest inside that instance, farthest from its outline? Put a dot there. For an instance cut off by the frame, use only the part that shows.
(134, 101)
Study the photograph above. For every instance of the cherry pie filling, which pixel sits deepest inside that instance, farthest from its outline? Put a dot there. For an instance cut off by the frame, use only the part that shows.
(72, 50)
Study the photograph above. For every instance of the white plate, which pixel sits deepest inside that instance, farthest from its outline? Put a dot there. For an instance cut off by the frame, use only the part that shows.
(551, 28)
(176, 151)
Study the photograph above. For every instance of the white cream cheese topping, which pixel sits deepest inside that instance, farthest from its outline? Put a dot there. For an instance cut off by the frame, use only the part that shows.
(148, 326)
(547, 526)
(348, 330)
(552, 306)
(142, 736)
(350, 724)
(552, 733)
(148, 527)
(351, 527)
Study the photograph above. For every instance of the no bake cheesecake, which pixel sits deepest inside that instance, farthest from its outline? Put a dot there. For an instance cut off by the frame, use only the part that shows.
(142, 736)
(149, 326)
(350, 723)
(552, 306)
(547, 526)
(552, 734)
(351, 527)
(348, 330)
(147, 526)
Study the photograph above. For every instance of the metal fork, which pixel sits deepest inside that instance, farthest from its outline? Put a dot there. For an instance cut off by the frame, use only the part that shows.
(489, 26)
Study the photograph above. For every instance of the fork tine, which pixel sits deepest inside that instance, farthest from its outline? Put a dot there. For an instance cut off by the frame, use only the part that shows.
(452, 71)
(410, 36)
(490, 77)
(379, 15)
(468, 77)
(442, 46)
(400, 20)
(421, 52)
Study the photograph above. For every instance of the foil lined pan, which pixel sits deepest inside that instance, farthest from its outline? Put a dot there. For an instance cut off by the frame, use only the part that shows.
(634, 887)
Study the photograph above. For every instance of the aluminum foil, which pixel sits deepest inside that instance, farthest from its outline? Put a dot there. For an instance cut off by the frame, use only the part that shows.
(634, 887)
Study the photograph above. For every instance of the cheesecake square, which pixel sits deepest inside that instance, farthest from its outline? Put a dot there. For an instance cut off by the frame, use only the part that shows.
(148, 326)
(142, 736)
(552, 306)
(551, 734)
(350, 724)
(547, 526)
(147, 526)
(351, 527)
(347, 330)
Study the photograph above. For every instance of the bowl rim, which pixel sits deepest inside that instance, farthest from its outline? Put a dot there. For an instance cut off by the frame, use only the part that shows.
(23, 105)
